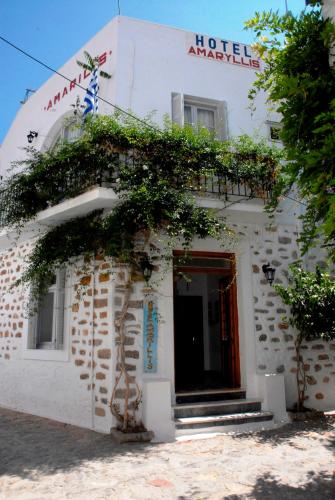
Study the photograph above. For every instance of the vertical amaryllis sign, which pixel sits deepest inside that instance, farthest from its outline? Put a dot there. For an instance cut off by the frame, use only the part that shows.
(150, 335)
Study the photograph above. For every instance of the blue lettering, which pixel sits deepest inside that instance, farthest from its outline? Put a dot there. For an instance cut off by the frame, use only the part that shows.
(224, 44)
(212, 43)
(236, 48)
(199, 40)
(246, 52)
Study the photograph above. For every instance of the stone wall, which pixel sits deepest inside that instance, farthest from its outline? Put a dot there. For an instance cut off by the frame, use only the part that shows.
(99, 296)
(274, 337)
(12, 314)
(95, 295)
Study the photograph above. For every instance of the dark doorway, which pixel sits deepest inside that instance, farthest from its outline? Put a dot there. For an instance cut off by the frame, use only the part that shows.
(188, 311)
(205, 320)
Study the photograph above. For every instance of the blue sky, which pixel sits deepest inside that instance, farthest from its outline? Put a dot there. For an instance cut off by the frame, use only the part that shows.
(54, 30)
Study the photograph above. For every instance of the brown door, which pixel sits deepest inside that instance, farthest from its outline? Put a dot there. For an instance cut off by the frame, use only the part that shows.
(206, 322)
(229, 334)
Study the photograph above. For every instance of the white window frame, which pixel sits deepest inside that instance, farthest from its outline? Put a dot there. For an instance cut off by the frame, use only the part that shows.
(57, 349)
(195, 107)
(179, 101)
(58, 131)
(63, 135)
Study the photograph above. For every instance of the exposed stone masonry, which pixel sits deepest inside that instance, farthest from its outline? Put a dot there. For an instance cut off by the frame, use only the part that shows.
(274, 336)
(13, 320)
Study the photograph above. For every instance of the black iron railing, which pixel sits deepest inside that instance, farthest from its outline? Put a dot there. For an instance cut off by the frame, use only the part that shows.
(69, 186)
(221, 186)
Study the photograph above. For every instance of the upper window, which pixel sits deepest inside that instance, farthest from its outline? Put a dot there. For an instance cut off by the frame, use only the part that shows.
(70, 131)
(199, 117)
(200, 113)
(66, 129)
(274, 129)
(47, 326)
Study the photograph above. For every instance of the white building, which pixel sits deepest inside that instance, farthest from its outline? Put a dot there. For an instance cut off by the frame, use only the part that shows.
(246, 362)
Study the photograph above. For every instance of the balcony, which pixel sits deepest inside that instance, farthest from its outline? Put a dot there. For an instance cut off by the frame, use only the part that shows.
(69, 196)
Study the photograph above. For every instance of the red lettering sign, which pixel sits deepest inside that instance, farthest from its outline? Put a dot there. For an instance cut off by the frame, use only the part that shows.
(73, 84)
(56, 98)
(82, 76)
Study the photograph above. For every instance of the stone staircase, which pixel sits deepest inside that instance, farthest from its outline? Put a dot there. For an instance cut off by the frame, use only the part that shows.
(224, 410)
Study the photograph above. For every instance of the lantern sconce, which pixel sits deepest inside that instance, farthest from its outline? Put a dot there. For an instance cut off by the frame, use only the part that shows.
(146, 267)
(269, 273)
(31, 136)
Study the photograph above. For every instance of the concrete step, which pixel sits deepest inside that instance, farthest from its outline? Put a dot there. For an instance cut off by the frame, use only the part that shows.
(209, 395)
(216, 408)
(212, 421)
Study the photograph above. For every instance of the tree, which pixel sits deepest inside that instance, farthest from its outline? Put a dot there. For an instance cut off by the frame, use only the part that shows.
(311, 297)
(91, 63)
(301, 86)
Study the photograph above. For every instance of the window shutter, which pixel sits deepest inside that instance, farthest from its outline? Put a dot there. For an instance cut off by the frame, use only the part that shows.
(59, 310)
(178, 109)
(222, 124)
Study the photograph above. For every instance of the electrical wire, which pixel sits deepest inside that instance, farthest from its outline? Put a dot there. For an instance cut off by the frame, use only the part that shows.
(77, 84)
(293, 199)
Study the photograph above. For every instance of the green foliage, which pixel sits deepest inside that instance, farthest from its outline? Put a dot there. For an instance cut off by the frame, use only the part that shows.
(91, 63)
(153, 171)
(174, 156)
(301, 86)
(311, 297)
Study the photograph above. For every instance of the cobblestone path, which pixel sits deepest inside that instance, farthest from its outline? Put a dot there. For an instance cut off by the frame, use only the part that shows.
(42, 459)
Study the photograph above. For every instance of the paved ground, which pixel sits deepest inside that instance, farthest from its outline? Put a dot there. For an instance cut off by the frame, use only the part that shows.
(41, 459)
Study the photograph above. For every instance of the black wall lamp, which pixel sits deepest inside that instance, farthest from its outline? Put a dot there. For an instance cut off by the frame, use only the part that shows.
(269, 273)
(31, 136)
(146, 267)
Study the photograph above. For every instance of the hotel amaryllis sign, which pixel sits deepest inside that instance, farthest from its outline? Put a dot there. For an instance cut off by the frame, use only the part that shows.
(79, 79)
(218, 49)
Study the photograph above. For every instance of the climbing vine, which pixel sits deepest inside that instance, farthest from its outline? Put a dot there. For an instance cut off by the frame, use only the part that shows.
(155, 173)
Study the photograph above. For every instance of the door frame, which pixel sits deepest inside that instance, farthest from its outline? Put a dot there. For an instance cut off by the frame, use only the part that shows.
(234, 366)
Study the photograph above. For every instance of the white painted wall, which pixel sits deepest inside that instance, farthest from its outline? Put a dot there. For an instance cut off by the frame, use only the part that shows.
(34, 115)
(147, 63)
(153, 62)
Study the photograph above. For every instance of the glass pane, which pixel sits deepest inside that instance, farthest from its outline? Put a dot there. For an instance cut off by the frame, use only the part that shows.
(72, 132)
(205, 118)
(188, 115)
(275, 133)
(207, 262)
(45, 318)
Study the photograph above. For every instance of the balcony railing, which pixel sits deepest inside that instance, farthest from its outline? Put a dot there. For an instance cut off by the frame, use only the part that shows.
(222, 187)
(218, 186)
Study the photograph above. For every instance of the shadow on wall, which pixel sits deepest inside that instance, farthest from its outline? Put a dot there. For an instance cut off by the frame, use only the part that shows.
(318, 486)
